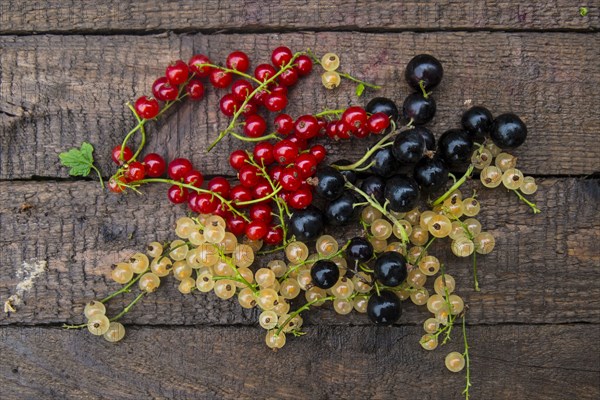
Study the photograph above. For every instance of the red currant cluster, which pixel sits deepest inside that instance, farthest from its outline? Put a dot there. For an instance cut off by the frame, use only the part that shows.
(355, 122)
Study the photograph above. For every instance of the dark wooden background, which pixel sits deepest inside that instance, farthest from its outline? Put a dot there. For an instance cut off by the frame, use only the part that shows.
(68, 67)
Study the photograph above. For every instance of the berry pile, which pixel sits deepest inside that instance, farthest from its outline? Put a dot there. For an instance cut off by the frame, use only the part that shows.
(286, 196)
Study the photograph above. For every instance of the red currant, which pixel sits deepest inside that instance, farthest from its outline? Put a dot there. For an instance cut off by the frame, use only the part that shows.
(275, 102)
(306, 164)
(260, 96)
(177, 72)
(301, 198)
(115, 185)
(281, 56)
(136, 171)
(255, 126)
(279, 89)
(284, 124)
(262, 188)
(163, 91)
(195, 89)
(263, 153)
(285, 152)
(289, 77)
(229, 105)
(223, 211)
(238, 60)
(319, 152)
(290, 178)
(378, 122)
(236, 225)
(275, 172)
(195, 65)
(304, 64)
(146, 107)
(262, 212)
(194, 178)
(177, 195)
(241, 89)
(155, 165)
(219, 185)
(306, 127)
(355, 117)
(116, 154)
(301, 143)
(256, 230)
(274, 236)
(343, 131)
(238, 158)
(361, 132)
(203, 203)
(219, 78)
(264, 71)
(179, 168)
(331, 130)
(248, 175)
(240, 194)
(250, 109)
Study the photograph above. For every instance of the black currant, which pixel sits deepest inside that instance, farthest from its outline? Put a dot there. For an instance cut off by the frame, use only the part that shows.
(390, 268)
(330, 183)
(351, 176)
(359, 249)
(384, 163)
(425, 68)
(384, 105)
(306, 224)
(384, 308)
(401, 193)
(455, 147)
(427, 136)
(324, 274)
(408, 147)
(374, 186)
(341, 210)
(419, 109)
(431, 173)
(508, 131)
(477, 122)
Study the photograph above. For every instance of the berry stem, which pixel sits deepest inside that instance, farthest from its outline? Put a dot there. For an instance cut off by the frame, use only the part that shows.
(467, 359)
(425, 250)
(142, 132)
(128, 307)
(425, 92)
(456, 185)
(369, 153)
(124, 289)
(330, 112)
(303, 308)
(475, 280)
(258, 139)
(99, 175)
(239, 277)
(233, 71)
(529, 203)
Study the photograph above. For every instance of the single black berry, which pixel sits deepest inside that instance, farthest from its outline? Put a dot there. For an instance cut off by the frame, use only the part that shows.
(402, 193)
(341, 210)
(508, 131)
(427, 136)
(330, 183)
(431, 173)
(477, 122)
(419, 109)
(384, 308)
(390, 268)
(455, 147)
(374, 186)
(324, 274)
(306, 224)
(408, 147)
(384, 163)
(359, 249)
(425, 68)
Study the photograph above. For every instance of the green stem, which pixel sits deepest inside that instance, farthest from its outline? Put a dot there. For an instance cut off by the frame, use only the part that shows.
(330, 112)
(475, 281)
(350, 77)
(233, 71)
(99, 175)
(422, 86)
(124, 289)
(456, 185)
(467, 359)
(258, 139)
(425, 250)
(239, 278)
(303, 308)
(329, 257)
(128, 307)
(529, 203)
(368, 154)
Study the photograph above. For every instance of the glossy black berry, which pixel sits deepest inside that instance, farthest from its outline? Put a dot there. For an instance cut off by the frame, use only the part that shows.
(508, 131)
(306, 224)
(477, 122)
(384, 163)
(426, 68)
(374, 186)
(324, 274)
(455, 147)
(431, 173)
(402, 193)
(419, 109)
(359, 249)
(427, 136)
(330, 183)
(390, 268)
(385, 308)
(408, 147)
(384, 105)
(351, 176)
(341, 210)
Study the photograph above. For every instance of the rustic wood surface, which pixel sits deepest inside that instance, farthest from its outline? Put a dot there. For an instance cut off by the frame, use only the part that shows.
(67, 69)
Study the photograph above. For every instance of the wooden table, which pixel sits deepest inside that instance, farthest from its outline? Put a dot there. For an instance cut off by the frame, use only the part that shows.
(66, 71)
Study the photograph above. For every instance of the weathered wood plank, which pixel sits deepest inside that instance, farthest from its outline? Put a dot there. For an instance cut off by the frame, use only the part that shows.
(57, 91)
(129, 16)
(543, 270)
(517, 362)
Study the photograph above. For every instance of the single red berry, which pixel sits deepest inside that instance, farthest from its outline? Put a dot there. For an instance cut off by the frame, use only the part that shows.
(322, 125)
(229, 105)
(219, 78)
(361, 132)
(290, 178)
(248, 175)
(285, 196)
(262, 189)
(281, 56)
(301, 143)
(306, 164)
(285, 152)
(179, 168)
(177, 195)
(249, 109)
(241, 89)
(306, 127)
(378, 122)
(163, 91)
(304, 64)
(331, 130)
(155, 165)
(115, 185)
(219, 185)
(223, 211)
(177, 72)
(146, 107)
(256, 230)
(240, 194)
(355, 117)
(264, 71)
(116, 154)
(274, 236)
(238, 60)
(260, 96)
(289, 77)
(195, 65)
(275, 172)
(203, 203)
(275, 102)
(343, 131)
(238, 158)
(236, 225)
(279, 89)
(136, 171)
(194, 178)
(262, 212)
(301, 198)
(195, 89)
(284, 124)
(255, 126)
(263, 153)
(319, 152)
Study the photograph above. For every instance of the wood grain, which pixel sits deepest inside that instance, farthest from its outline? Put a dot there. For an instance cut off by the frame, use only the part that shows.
(517, 362)
(141, 16)
(544, 268)
(57, 91)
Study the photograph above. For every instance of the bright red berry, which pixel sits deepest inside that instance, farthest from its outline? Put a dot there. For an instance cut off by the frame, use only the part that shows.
(195, 65)
(248, 175)
(236, 225)
(195, 89)
(290, 178)
(284, 124)
(163, 91)
(223, 211)
(263, 153)
(219, 78)
(274, 236)
(343, 131)
(289, 77)
(177, 195)
(256, 230)
(203, 203)
(219, 185)
(306, 127)
(262, 189)
(116, 154)
(255, 126)
(241, 89)
(155, 165)
(331, 130)
(355, 117)
(146, 107)
(361, 132)
(301, 143)
(194, 178)
(281, 56)
(279, 89)
(240, 194)
(229, 105)
(177, 72)
(179, 168)
(136, 171)
(262, 212)
(304, 64)
(238, 158)
(275, 172)
(264, 71)
(250, 109)
(115, 185)
(378, 122)
(275, 102)
(306, 164)
(319, 152)
(301, 198)
(285, 152)
(238, 60)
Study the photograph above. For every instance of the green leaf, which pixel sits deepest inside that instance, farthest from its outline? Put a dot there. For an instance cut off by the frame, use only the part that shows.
(360, 89)
(78, 160)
